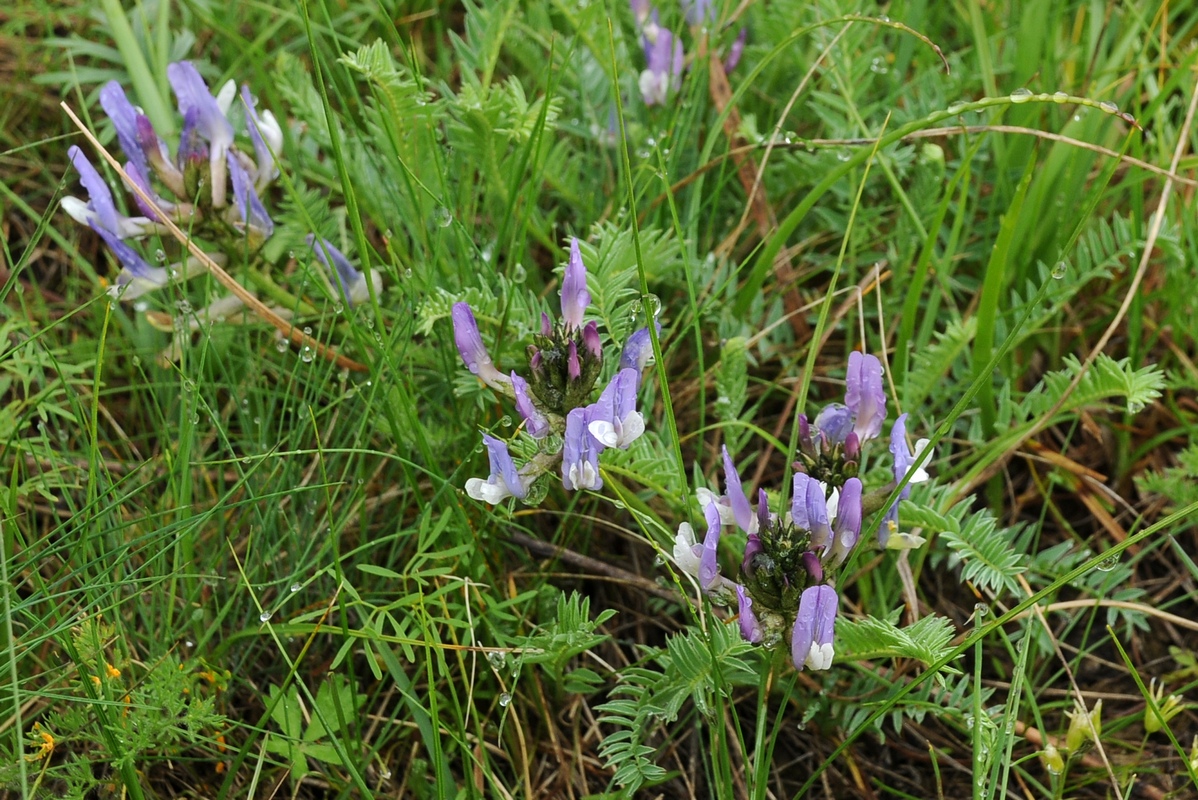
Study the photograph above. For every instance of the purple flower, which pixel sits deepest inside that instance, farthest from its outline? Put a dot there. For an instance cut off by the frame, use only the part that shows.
(813, 567)
(901, 453)
(640, 10)
(504, 480)
(580, 454)
(208, 118)
(575, 297)
(158, 156)
(904, 459)
(613, 419)
(709, 565)
(697, 11)
(638, 350)
(590, 341)
(473, 352)
(99, 211)
(809, 509)
(663, 52)
(353, 287)
(741, 512)
(865, 396)
(137, 277)
(267, 136)
(846, 528)
(764, 517)
(254, 218)
(811, 640)
(124, 119)
(736, 51)
(534, 421)
(834, 423)
(750, 628)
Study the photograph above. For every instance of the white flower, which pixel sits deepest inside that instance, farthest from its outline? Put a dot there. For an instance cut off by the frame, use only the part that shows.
(685, 555)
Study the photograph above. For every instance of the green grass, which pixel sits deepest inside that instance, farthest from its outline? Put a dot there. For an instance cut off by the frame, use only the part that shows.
(246, 571)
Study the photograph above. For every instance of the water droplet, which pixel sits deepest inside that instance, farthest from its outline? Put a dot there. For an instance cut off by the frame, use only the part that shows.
(1021, 95)
(1109, 563)
(140, 306)
(189, 385)
(486, 254)
(659, 560)
(519, 273)
(878, 65)
(442, 217)
(505, 700)
(189, 643)
(306, 354)
(883, 18)
(981, 610)
(337, 308)
(957, 107)
(496, 659)
(1109, 107)
(307, 331)
(183, 306)
(407, 273)
(295, 587)
(505, 421)
(264, 616)
(1059, 97)
(281, 345)
(1058, 272)
(654, 304)
(116, 290)
(160, 255)
(1077, 117)
(386, 774)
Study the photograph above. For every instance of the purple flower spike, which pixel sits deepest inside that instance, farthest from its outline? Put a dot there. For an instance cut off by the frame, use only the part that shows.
(253, 213)
(753, 546)
(470, 346)
(613, 419)
(809, 509)
(504, 480)
(575, 297)
(736, 51)
(534, 421)
(709, 566)
(580, 454)
(124, 119)
(210, 121)
(590, 341)
(811, 640)
(745, 520)
(99, 211)
(750, 628)
(834, 422)
(865, 396)
(847, 526)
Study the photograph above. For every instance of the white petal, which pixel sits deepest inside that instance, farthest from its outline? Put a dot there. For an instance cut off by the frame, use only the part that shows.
(604, 432)
(271, 132)
(820, 656)
(78, 210)
(492, 493)
(900, 540)
(224, 98)
(632, 427)
(833, 502)
(684, 554)
(921, 474)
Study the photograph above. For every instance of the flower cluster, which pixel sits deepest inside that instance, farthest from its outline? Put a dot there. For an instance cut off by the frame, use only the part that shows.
(790, 560)
(212, 187)
(663, 48)
(564, 363)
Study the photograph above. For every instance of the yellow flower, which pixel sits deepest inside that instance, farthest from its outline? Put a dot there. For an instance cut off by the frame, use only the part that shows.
(45, 747)
(112, 671)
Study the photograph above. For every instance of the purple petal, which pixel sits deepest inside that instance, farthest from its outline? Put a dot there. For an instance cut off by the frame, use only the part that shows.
(847, 526)
(709, 566)
(580, 454)
(253, 213)
(136, 176)
(813, 567)
(736, 495)
(590, 341)
(638, 349)
(753, 546)
(809, 509)
(267, 166)
(546, 325)
(903, 457)
(573, 365)
(503, 468)
(865, 395)
(834, 422)
(534, 421)
(815, 622)
(736, 51)
(575, 297)
(347, 278)
(763, 510)
(209, 120)
(470, 346)
(99, 195)
(124, 119)
(750, 628)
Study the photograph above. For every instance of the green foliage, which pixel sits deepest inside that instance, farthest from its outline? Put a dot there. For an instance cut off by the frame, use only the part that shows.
(1177, 484)
(336, 702)
(571, 633)
(1106, 379)
(871, 639)
(732, 384)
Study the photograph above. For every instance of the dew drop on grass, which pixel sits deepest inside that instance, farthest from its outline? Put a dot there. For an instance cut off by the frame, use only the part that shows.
(306, 354)
(1059, 97)
(442, 217)
(160, 255)
(183, 306)
(1108, 564)
(281, 345)
(264, 616)
(659, 560)
(505, 421)
(189, 644)
(1058, 272)
(1109, 107)
(505, 700)
(295, 587)
(981, 610)
(1021, 95)
(496, 659)
(139, 306)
